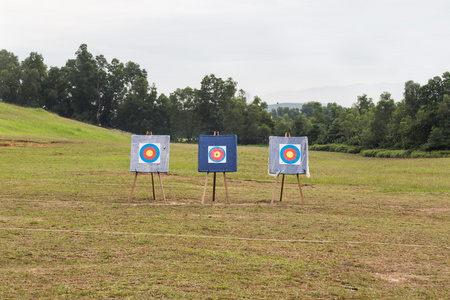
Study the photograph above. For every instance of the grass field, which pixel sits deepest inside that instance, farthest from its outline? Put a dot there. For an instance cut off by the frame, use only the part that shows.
(370, 228)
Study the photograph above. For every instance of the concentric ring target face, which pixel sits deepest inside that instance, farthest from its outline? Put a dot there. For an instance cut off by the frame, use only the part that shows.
(217, 154)
(149, 153)
(289, 154)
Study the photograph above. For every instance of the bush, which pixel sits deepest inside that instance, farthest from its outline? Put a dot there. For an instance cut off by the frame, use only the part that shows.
(335, 148)
(354, 150)
(394, 153)
(369, 152)
(431, 154)
(381, 153)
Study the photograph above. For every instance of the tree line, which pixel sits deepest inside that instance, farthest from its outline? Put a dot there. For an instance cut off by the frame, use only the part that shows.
(420, 121)
(118, 95)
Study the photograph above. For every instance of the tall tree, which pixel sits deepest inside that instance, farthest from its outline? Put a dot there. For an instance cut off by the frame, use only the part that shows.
(135, 113)
(183, 113)
(9, 77)
(56, 92)
(214, 101)
(83, 85)
(33, 74)
(411, 97)
(383, 113)
(364, 103)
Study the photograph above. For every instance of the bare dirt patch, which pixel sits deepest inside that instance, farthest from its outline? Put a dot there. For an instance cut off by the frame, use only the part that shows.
(23, 143)
(399, 277)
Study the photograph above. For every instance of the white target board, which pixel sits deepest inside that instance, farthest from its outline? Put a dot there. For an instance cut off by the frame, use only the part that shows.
(150, 153)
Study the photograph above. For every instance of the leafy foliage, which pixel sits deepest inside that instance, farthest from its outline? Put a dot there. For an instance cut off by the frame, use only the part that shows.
(119, 95)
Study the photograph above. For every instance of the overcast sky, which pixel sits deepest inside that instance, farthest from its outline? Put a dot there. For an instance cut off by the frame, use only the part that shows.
(266, 46)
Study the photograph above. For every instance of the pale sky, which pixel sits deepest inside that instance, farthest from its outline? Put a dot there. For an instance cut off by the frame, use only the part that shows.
(266, 46)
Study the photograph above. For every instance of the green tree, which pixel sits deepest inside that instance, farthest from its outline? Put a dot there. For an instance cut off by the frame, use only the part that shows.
(160, 116)
(300, 127)
(281, 127)
(136, 113)
(431, 97)
(383, 113)
(56, 92)
(439, 137)
(364, 103)
(33, 74)
(83, 85)
(183, 113)
(214, 101)
(308, 109)
(234, 122)
(314, 133)
(411, 98)
(9, 77)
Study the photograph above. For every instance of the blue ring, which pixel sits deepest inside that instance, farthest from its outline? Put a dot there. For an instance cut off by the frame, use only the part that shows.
(141, 153)
(217, 161)
(293, 148)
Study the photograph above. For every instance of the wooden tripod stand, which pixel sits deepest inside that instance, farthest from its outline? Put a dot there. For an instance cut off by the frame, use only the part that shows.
(214, 183)
(153, 183)
(282, 186)
(287, 134)
(153, 187)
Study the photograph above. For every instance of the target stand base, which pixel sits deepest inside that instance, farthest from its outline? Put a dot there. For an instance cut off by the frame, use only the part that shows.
(282, 187)
(153, 187)
(214, 187)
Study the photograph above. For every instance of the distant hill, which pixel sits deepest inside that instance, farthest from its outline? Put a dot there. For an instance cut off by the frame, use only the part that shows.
(36, 124)
(342, 95)
(285, 104)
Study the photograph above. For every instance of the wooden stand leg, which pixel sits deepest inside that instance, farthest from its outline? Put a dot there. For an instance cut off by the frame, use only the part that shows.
(300, 187)
(153, 187)
(214, 187)
(274, 189)
(204, 190)
(162, 189)
(282, 186)
(226, 187)
(132, 188)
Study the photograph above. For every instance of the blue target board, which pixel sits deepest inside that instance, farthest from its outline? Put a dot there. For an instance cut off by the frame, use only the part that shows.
(150, 153)
(288, 155)
(217, 153)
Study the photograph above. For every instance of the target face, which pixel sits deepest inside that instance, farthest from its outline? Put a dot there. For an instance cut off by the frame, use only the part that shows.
(149, 153)
(217, 154)
(289, 154)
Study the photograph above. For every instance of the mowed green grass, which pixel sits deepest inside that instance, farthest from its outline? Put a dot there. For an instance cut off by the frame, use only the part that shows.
(370, 228)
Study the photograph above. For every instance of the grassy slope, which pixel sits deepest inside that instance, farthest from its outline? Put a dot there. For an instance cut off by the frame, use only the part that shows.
(39, 125)
(371, 228)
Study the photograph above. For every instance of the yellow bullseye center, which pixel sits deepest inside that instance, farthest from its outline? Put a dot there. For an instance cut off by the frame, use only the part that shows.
(149, 153)
(216, 154)
(290, 154)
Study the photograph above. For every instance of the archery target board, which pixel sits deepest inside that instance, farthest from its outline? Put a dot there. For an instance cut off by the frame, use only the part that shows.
(217, 153)
(288, 155)
(150, 153)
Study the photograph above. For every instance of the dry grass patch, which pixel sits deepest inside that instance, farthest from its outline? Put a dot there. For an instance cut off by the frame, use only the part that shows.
(67, 229)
